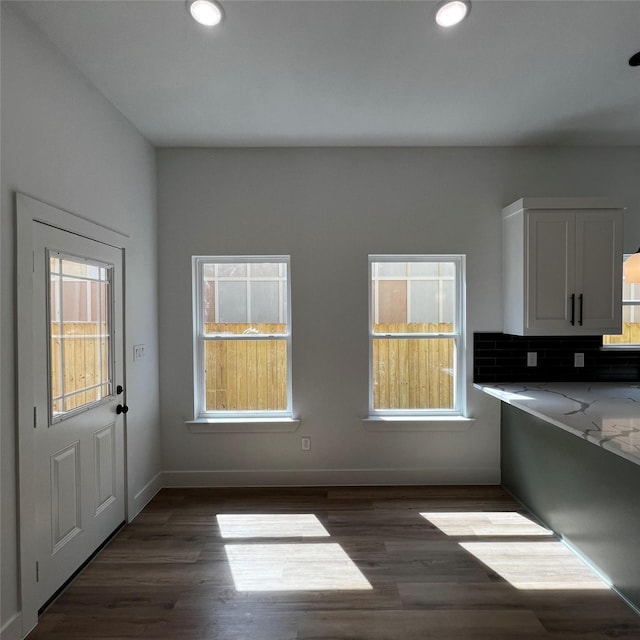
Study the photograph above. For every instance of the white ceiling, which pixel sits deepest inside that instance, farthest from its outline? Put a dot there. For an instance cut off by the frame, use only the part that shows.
(360, 72)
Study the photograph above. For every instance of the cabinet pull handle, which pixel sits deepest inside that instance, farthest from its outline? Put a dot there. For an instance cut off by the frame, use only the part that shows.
(580, 298)
(573, 309)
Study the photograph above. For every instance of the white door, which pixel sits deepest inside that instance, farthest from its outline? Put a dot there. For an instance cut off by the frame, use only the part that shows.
(550, 270)
(78, 403)
(599, 270)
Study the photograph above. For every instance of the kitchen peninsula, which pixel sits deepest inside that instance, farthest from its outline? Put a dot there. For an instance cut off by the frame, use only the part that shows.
(570, 452)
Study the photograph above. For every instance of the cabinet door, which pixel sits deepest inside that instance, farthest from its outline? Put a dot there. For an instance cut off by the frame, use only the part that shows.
(599, 271)
(550, 269)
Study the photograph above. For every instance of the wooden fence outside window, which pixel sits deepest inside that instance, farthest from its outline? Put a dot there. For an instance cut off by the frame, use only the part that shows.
(251, 375)
(413, 373)
(630, 334)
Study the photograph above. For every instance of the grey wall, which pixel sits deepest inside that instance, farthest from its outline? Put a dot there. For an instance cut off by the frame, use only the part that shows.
(63, 143)
(584, 493)
(328, 209)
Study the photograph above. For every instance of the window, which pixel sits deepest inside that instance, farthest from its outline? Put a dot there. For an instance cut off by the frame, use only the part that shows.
(416, 339)
(242, 336)
(630, 336)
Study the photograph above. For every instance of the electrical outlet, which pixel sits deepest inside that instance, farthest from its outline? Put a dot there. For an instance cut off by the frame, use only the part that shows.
(138, 352)
(578, 359)
(532, 359)
(306, 444)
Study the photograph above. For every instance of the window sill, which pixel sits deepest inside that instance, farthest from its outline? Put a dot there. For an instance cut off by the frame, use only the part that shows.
(243, 425)
(417, 423)
(620, 347)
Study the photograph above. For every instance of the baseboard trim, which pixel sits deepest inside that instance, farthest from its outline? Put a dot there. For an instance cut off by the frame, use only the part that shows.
(144, 496)
(12, 629)
(330, 477)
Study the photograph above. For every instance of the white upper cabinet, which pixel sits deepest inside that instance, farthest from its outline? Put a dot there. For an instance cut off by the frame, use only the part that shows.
(562, 267)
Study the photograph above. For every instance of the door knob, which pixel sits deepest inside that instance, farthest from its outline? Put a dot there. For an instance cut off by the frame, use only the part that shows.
(122, 408)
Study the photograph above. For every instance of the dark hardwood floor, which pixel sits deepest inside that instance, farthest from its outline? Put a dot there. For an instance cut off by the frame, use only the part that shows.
(369, 566)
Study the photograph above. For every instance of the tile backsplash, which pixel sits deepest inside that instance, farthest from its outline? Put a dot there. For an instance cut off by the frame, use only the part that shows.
(499, 357)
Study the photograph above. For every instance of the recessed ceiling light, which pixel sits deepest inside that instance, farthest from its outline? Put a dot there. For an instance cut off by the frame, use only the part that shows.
(634, 60)
(206, 12)
(452, 12)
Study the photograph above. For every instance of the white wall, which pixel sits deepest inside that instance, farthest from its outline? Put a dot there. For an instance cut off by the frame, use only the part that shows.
(63, 143)
(329, 208)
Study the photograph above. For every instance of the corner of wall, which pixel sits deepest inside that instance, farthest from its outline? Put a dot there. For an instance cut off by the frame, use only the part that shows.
(143, 497)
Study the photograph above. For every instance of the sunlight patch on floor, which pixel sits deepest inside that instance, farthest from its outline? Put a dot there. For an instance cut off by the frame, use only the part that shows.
(270, 525)
(536, 565)
(485, 523)
(293, 567)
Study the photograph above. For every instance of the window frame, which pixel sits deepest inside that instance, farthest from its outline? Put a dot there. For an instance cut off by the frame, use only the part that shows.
(200, 338)
(458, 335)
(623, 346)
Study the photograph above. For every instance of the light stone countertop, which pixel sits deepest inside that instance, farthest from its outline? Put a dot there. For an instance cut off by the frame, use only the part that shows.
(604, 413)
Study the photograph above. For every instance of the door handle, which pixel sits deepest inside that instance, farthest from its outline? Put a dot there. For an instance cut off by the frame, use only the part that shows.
(573, 309)
(122, 408)
(581, 299)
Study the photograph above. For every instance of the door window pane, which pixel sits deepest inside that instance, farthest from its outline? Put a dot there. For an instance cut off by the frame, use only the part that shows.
(80, 356)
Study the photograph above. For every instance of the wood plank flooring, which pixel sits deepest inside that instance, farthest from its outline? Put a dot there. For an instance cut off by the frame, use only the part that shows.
(358, 563)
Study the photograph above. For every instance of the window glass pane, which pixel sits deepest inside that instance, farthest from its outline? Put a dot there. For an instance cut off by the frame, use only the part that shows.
(232, 302)
(630, 327)
(209, 302)
(82, 270)
(80, 334)
(74, 299)
(631, 291)
(425, 302)
(429, 269)
(232, 270)
(391, 303)
(265, 307)
(54, 297)
(245, 375)
(413, 373)
(391, 269)
(447, 269)
(630, 317)
(244, 328)
(264, 269)
(447, 309)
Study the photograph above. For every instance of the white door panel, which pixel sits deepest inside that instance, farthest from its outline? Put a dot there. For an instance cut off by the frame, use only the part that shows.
(79, 436)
